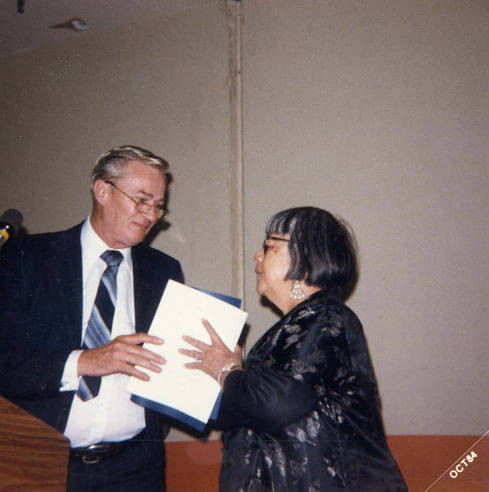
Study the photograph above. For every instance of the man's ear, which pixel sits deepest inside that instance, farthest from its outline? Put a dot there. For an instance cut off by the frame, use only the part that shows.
(100, 191)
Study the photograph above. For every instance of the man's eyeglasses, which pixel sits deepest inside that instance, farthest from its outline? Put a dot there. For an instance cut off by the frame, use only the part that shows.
(142, 205)
(274, 238)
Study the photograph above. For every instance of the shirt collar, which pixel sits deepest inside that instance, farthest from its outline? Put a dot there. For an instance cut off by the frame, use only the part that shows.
(93, 245)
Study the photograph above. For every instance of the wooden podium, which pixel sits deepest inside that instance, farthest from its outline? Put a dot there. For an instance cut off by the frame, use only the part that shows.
(33, 455)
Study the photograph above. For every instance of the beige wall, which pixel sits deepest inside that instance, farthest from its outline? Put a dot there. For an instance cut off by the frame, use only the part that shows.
(163, 86)
(374, 110)
(378, 111)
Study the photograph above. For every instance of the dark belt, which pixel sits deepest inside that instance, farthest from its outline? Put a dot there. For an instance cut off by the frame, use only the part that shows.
(95, 453)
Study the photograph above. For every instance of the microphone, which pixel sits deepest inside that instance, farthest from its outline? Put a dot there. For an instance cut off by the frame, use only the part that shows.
(9, 223)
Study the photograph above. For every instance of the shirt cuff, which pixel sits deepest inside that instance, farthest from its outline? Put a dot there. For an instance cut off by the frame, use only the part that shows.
(70, 379)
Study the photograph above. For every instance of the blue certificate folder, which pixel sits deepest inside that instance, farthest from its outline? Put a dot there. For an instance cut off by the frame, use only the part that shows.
(176, 414)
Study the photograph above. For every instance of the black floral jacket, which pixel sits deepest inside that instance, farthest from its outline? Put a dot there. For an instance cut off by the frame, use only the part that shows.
(304, 414)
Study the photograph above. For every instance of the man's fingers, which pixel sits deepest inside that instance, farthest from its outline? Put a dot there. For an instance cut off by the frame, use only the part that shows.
(138, 338)
(140, 356)
(118, 356)
(133, 371)
(132, 366)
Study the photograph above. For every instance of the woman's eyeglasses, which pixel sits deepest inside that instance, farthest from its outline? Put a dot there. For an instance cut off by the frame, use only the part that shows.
(274, 238)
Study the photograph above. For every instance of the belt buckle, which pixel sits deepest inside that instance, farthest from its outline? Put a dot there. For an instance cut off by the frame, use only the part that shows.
(91, 461)
(94, 453)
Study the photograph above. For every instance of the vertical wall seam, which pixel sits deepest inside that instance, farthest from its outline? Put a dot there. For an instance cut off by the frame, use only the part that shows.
(236, 148)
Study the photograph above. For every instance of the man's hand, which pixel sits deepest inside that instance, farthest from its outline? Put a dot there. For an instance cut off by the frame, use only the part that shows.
(121, 355)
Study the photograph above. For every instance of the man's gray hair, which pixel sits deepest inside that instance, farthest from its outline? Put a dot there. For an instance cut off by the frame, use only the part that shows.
(111, 163)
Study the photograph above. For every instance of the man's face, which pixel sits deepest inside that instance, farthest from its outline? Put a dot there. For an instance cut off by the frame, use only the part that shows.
(115, 218)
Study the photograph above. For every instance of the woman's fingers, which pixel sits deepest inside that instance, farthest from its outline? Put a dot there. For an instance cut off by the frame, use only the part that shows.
(195, 343)
(215, 338)
(194, 365)
(191, 353)
(213, 358)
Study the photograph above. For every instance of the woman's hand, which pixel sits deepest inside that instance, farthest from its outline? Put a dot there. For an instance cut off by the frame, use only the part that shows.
(216, 360)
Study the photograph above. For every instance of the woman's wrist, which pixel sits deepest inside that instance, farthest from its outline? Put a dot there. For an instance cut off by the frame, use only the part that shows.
(226, 369)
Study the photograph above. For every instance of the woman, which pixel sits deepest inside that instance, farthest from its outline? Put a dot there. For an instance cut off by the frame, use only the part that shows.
(303, 412)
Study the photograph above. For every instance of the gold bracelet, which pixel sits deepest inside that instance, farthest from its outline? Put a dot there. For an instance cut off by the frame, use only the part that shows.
(227, 368)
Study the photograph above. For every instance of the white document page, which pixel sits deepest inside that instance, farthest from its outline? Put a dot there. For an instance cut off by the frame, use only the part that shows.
(180, 312)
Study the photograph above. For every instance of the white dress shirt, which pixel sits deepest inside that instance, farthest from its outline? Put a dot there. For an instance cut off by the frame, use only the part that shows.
(111, 415)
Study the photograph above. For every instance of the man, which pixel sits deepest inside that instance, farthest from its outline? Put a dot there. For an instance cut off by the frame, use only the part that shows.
(61, 294)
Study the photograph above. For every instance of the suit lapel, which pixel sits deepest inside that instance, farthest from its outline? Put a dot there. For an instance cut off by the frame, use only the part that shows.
(148, 287)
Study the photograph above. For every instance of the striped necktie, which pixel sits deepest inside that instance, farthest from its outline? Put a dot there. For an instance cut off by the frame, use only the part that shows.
(100, 322)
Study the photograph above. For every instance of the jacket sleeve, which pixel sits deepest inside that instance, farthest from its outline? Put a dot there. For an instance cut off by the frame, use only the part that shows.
(274, 392)
(28, 369)
(263, 399)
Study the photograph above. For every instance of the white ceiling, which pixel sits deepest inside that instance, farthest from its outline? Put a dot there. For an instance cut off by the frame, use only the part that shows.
(22, 32)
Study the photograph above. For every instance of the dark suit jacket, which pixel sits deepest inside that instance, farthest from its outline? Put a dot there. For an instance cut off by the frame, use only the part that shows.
(41, 317)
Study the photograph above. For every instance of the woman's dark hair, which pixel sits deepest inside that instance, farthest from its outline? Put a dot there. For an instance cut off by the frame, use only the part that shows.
(321, 248)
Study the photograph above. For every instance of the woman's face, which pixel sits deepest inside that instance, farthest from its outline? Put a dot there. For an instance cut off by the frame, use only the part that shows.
(271, 267)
